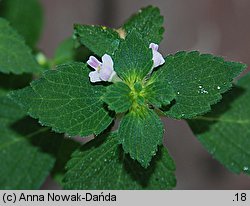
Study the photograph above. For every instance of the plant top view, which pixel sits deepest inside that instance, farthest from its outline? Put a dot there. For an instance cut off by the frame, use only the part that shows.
(101, 76)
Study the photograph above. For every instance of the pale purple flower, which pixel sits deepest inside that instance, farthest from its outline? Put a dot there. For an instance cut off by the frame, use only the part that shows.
(157, 57)
(104, 71)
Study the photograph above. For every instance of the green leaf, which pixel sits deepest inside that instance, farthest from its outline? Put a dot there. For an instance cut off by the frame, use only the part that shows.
(22, 138)
(198, 81)
(23, 164)
(100, 40)
(67, 147)
(101, 164)
(140, 132)
(15, 56)
(117, 96)
(149, 23)
(67, 52)
(65, 100)
(157, 91)
(225, 131)
(26, 18)
(133, 59)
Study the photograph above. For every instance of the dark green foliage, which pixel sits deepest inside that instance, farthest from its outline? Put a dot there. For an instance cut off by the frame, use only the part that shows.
(148, 22)
(117, 96)
(140, 132)
(25, 157)
(198, 81)
(100, 40)
(133, 59)
(65, 100)
(15, 56)
(225, 132)
(101, 164)
(24, 16)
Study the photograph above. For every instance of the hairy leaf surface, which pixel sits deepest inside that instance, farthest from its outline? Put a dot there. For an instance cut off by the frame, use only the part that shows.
(133, 59)
(225, 132)
(198, 81)
(23, 164)
(65, 100)
(117, 96)
(101, 164)
(140, 132)
(100, 40)
(157, 91)
(148, 23)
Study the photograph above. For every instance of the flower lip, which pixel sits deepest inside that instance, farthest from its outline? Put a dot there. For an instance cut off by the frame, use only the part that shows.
(94, 63)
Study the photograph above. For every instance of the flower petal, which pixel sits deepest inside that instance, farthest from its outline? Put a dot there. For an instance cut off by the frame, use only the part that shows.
(107, 67)
(94, 76)
(105, 73)
(94, 63)
(154, 46)
(107, 61)
(157, 59)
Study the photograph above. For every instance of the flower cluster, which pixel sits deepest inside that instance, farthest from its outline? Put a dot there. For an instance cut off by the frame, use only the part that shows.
(104, 71)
